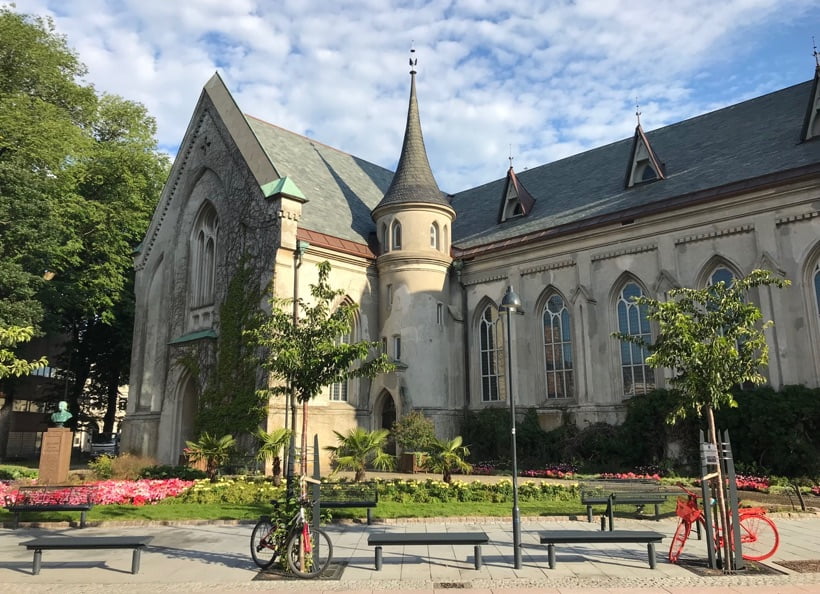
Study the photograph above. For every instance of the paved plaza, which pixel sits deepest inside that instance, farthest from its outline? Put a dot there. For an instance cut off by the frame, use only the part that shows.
(215, 558)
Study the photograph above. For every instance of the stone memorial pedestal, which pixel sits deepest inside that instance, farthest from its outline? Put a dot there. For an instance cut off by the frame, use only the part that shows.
(55, 456)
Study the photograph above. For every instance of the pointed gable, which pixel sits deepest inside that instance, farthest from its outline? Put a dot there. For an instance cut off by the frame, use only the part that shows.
(811, 126)
(516, 201)
(644, 166)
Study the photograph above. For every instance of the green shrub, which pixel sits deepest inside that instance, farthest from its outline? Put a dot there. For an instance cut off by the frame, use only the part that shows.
(15, 473)
(102, 467)
(168, 472)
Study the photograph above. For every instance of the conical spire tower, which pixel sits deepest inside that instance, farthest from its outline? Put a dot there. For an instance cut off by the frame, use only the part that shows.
(413, 181)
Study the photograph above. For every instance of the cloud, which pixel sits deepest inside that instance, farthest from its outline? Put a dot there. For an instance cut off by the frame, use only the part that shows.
(537, 80)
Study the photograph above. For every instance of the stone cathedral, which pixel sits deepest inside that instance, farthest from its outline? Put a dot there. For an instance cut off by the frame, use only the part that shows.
(703, 200)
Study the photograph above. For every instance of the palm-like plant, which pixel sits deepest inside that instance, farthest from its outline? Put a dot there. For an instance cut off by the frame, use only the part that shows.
(360, 448)
(447, 456)
(214, 450)
(270, 448)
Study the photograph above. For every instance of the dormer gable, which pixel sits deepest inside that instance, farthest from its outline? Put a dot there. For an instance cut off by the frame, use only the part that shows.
(811, 125)
(516, 201)
(644, 166)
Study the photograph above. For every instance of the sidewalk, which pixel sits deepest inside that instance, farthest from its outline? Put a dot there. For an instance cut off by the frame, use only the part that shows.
(216, 558)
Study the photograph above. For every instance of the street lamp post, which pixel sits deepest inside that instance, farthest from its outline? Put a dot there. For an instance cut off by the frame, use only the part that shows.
(512, 304)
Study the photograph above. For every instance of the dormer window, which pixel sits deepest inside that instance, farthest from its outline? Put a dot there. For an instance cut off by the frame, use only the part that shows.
(644, 165)
(517, 200)
(811, 128)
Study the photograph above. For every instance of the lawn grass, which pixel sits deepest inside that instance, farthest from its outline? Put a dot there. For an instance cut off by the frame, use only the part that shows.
(384, 510)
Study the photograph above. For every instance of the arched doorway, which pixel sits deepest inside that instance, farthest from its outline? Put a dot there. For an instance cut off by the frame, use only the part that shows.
(386, 417)
(187, 412)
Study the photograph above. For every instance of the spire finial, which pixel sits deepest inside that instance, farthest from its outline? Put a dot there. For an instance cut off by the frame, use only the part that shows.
(815, 53)
(511, 157)
(637, 111)
(413, 59)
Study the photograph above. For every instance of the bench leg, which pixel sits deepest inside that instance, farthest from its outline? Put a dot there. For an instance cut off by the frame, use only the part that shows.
(651, 549)
(82, 519)
(38, 558)
(551, 555)
(135, 560)
(610, 512)
(369, 517)
(378, 558)
(16, 520)
(657, 512)
(477, 553)
(589, 513)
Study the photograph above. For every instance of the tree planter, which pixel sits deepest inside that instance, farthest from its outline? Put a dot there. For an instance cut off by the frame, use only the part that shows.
(412, 462)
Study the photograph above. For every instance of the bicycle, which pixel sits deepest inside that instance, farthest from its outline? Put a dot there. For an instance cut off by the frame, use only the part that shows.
(758, 534)
(308, 552)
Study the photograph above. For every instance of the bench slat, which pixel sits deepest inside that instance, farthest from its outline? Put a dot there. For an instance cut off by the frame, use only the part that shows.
(591, 536)
(428, 538)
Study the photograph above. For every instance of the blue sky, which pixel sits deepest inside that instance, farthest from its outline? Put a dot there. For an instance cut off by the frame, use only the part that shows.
(540, 80)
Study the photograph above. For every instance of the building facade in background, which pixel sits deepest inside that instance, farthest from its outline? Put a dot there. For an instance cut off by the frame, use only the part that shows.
(703, 200)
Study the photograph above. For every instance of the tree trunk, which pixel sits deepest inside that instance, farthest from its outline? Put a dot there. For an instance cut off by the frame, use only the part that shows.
(5, 424)
(112, 394)
(722, 515)
(359, 476)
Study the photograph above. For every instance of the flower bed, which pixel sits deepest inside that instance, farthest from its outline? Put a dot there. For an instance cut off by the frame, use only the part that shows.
(139, 492)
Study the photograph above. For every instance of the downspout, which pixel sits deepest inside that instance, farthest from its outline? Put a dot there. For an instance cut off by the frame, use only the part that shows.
(301, 248)
(458, 266)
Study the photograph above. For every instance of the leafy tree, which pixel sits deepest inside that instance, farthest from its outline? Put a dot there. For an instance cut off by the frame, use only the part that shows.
(447, 456)
(271, 449)
(305, 355)
(414, 432)
(709, 338)
(10, 365)
(215, 451)
(359, 449)
(79, 178)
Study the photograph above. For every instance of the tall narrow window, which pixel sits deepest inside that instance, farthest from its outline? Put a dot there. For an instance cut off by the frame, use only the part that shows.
(397, 348)
(338, 391)
(558, 349)
(638, 377)
(203, 265)
(439, 314)
(490, 354)
(396, 235)
(385, 239)
(434, 238)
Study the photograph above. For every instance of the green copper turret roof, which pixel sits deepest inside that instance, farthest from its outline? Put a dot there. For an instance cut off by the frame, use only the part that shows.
(413, 181)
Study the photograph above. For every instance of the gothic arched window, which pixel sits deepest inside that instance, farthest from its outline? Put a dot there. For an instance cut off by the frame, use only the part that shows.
(638, 377)
(558, 349)
(203, 265)
(490, 355)
(395, 234)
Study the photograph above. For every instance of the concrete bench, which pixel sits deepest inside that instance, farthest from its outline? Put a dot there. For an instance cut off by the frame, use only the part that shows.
(427, 538)
(349, 495)
(554, 537)
(48, 543)
(51, 498)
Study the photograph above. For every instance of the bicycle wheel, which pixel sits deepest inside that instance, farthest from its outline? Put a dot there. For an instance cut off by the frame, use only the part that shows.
(309, 552)
(759, 537)
(264, 547)
(681, 534)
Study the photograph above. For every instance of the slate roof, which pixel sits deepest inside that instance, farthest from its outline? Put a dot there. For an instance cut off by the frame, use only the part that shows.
(748, 140)
(341, 189)
(413, 181)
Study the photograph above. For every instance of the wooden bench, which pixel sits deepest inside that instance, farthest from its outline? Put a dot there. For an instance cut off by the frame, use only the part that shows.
(612, 492)
(51, 498)
(428, 538)
(349, 495)
(38, 545)
(554, 537)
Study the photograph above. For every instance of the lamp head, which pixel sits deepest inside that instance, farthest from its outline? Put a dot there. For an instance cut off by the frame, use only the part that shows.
(511, 302)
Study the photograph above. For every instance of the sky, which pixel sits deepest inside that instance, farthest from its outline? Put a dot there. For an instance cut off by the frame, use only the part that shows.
(536, 80)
